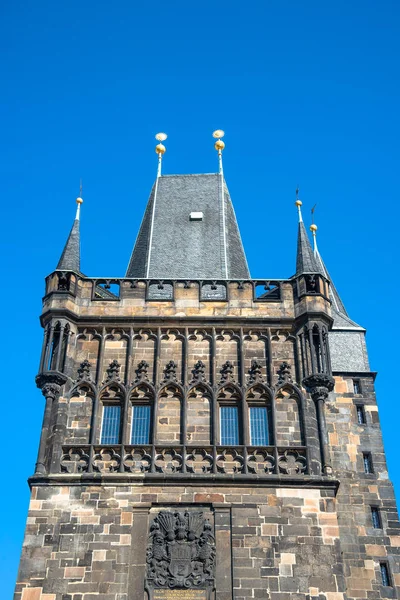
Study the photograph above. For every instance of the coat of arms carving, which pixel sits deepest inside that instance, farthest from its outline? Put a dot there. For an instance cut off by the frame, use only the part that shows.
(180, 551)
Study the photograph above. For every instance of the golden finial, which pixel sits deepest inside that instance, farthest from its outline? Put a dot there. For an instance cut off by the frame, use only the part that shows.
(299, 204)
(219, 146)
(79, 201)
(79, 198)
(160, 150)
(313, 229)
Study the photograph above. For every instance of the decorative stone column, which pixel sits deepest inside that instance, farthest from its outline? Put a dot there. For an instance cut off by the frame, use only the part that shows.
(50, 383)
(319, 385)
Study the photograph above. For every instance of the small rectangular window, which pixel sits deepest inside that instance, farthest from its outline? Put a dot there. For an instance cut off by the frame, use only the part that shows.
(111, 425)
(385, 574)
(140, 424)
(360, 414)
(376, 517)
(367, 460)
(259, 426)
(357, 386)
(229, 425)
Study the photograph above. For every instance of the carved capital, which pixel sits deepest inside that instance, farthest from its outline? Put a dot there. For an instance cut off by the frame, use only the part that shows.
(50, 383)
(319, 385)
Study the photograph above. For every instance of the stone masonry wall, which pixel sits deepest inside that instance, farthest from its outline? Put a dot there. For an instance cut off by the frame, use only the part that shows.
(363, 546)
(89, 542)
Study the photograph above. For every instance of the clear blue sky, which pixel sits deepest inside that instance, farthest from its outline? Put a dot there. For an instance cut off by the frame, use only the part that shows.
(308, 94)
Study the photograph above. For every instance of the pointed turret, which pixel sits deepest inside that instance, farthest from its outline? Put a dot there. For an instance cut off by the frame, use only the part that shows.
(337, 303)
(305, 261)
(346, 338)
(71, 256)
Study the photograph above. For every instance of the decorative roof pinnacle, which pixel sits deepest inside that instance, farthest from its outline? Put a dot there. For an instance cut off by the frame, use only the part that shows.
(160, 150)
(219, 146)
(299, 203)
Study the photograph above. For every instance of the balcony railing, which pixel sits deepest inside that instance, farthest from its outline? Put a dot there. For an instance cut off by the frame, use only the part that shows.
(194, 460)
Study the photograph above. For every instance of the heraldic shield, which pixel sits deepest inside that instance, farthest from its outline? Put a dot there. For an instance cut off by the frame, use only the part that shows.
(180, 551)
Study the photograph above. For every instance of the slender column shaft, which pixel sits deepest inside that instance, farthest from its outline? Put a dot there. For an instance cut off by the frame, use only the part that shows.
(269, 358)
(60, 345)
(44, 348)
(244, 419)
(99, 372)
(40, 462)
(48, 350)
(323, 436)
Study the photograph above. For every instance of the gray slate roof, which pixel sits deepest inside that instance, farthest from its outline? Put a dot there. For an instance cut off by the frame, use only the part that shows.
(182, 248)
(305, 261)
(341, 319)
(71, 256)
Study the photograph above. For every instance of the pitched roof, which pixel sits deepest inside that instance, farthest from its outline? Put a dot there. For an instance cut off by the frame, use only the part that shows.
(175, 244)
(305, 260)
(71, 256)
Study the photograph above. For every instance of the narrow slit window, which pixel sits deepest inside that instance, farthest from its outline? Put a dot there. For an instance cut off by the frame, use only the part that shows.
(357, 386)
(367, 460)
(229, 425)
(111, 425)
(376, 517)
(141, 424)
(259, 431)
(385, 574)
(360, 414)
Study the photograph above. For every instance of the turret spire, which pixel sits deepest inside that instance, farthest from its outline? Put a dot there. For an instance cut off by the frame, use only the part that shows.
(71, 256)
(337, 303)
(306, 262)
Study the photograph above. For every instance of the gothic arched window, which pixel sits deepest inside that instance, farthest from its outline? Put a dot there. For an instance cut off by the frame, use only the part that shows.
(230, 427)
(111, 418)
(142, 406)
(260, 416)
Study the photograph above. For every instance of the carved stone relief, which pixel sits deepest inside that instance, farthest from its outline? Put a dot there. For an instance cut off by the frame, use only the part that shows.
(180, 551)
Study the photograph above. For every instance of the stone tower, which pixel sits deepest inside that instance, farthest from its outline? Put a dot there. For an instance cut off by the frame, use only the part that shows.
(205, 435)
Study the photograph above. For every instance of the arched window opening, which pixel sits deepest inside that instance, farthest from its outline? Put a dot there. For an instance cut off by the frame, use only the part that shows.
(54, 343)
(229, 419)
(230, 426)
(260, 417)
(141, 415)
(64, 345)
(111, 403)
(316, 340)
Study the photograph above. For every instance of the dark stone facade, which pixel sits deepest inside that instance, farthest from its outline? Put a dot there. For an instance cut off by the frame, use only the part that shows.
(291, 520)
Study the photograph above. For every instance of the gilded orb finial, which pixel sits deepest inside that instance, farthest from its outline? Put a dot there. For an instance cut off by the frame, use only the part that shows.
(298, 202)
(79, 200)
(160, 148)
(219, 144)
(313, 227)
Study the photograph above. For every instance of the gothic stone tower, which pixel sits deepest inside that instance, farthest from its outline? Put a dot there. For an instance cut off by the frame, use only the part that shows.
(205, 435)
